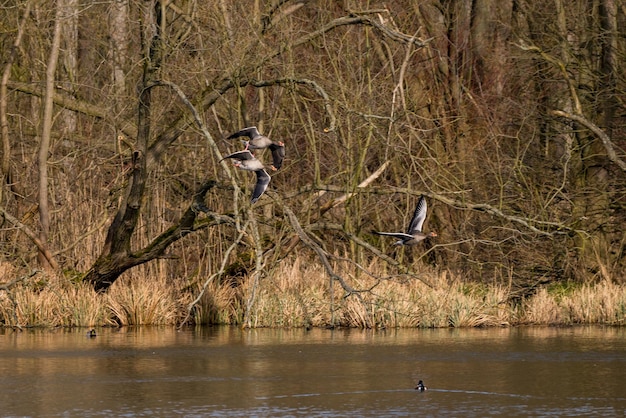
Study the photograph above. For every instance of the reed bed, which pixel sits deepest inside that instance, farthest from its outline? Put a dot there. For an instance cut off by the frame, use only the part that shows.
(52, 302)
(298, 294)
(600, 303)
(150, 301)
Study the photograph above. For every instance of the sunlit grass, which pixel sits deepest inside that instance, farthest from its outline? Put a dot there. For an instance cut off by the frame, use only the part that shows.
(294, 296)
(81, 306)
(298, 294)
(51, 302)
(149, 301)
(601, 303)
(220, 304)
(59, 302)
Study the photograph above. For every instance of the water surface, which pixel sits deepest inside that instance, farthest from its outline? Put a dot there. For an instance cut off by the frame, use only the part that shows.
(225, 371)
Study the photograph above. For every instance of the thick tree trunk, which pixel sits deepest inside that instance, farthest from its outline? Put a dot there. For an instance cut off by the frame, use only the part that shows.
(116, 256)
(114, 261)
(609, 63)
(491, 25)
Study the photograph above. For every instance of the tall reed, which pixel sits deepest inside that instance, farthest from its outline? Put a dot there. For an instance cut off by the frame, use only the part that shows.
(52, 302)
(298, 294)
(148, 301)
(601, 303)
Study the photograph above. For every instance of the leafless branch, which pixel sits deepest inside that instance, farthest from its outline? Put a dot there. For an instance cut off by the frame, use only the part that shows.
(304, 237)
(128, 128)
(554, 227)
(186, 225)
(372, 249)
(306, 82)
(561, 66)
(32, 236)
(9, 285)
(218, 273)
(357, 20)
(336, 202)
(272, 16)
(606, 141)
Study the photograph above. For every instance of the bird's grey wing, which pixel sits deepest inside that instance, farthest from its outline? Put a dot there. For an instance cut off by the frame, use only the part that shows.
(418, 217)
(398, 235)
(262, 181)
(250, 132)
(278, 155)
(240, 155)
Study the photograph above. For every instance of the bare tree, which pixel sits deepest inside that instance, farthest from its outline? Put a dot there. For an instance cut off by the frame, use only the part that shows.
(69, 46)
(119, 31)
(507, 115)
(6, 74)
(117, 255)
(46, 131)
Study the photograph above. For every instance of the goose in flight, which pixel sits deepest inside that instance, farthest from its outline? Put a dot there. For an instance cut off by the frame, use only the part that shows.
(258, 141)
(414, 233)
(246, 161)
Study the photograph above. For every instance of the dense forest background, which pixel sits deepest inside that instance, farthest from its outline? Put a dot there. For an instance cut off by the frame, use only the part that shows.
(508, 115)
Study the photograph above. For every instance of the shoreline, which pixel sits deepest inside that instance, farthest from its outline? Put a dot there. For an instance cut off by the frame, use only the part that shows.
(297, 296)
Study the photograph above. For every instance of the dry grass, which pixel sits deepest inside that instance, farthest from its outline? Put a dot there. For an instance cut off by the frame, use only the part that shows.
(51, 302)
(147, 301)
(297, 294)
(220, 304)
(602, 303)
(542, 308)
(59, 302)
(82, 307)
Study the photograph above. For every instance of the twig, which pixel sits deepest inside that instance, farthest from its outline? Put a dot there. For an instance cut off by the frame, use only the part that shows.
(214, 275)
(210, 140)
(336, 202)
(7, 286)
(33, 237)
(259, 255)
(561, 66)
(606, 141)
(484, 207)
(372, 249)
(324, 259)
(305, 82)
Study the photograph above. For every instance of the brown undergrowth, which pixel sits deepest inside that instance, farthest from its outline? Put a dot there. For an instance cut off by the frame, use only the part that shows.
(297, 294)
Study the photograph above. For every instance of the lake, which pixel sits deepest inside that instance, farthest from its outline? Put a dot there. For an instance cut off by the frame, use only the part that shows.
(226, 371)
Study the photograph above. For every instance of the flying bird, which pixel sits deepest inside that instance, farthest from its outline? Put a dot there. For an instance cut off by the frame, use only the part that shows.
(414, 233)
(258, 141)
(246, 161)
